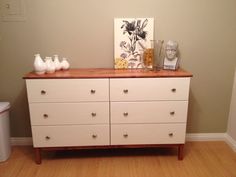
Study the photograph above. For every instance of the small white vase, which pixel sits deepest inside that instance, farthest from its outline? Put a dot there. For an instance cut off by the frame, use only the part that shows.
(65, 64)
(39, 65)
(57, 63)
(50, 65)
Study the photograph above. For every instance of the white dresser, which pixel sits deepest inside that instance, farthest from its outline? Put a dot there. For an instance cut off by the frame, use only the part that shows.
(106, 108)
(148, 110)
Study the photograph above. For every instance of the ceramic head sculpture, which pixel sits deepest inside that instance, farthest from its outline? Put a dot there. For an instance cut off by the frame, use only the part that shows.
(171, 50)
(171, 59)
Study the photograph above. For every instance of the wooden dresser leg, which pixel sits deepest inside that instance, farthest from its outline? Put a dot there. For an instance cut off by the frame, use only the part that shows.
(180, 152)
(38, 155)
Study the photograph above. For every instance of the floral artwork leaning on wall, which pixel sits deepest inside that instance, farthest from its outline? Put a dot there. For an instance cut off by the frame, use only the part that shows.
(132, 36)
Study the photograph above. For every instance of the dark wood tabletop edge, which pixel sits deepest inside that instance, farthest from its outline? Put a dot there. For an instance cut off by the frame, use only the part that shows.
(78, 73)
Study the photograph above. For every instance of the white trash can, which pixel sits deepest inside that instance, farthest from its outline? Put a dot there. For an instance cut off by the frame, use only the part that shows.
(5, 145)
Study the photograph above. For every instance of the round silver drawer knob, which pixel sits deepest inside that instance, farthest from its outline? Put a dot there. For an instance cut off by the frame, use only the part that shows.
(47, 137)
(125, 135)
(94, 136)
(93, 114)
(45, 116)
(125, 91)
(43, 92)
(125, 114)
(92, 91)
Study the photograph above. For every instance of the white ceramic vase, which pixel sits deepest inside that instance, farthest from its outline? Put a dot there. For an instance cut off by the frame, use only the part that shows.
(65, 64)
(57, 63)
(50, 65)
(39, 65)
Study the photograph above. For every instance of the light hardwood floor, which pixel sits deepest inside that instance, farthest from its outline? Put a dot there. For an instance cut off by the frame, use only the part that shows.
(201, 159)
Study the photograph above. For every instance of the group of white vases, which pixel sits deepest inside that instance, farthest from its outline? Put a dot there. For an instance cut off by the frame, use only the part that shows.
(49, 65)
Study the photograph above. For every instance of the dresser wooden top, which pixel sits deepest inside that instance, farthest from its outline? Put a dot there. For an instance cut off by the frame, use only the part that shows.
(108, 73)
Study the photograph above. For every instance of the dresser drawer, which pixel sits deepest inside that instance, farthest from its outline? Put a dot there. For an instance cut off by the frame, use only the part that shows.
(143, 89)
(69, 113)
(125, 134)
(67, 90)
(73, 135)
(149, 112)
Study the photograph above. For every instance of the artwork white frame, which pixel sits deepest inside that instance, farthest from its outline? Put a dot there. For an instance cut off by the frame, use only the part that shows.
(131, 37)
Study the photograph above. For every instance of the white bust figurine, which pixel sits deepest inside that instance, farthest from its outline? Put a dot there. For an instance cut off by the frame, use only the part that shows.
(171, 59)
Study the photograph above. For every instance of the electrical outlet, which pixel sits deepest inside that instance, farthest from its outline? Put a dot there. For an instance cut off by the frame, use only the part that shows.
(13, 10)
(11, 7)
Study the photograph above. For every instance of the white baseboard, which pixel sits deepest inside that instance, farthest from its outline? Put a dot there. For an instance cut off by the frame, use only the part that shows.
(27, 141)
(21, 141)
(212, 137)
(205, 136)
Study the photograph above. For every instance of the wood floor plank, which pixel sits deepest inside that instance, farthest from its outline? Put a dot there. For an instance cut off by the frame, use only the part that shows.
(201, 159)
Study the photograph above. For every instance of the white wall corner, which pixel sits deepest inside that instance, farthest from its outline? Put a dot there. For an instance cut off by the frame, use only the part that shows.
(21, 141)
(231, 131)
(230, 141)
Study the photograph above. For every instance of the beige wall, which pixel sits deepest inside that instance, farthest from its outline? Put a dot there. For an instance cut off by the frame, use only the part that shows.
(83, 32)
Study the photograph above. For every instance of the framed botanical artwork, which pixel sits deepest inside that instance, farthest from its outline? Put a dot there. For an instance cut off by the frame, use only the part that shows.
(131, 37)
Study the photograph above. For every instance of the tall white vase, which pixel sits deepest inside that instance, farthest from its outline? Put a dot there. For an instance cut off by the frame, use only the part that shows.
(39, 65)
(57, 63)
(50, 65)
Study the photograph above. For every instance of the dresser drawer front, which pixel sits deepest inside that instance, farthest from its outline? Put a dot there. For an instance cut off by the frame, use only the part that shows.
(76, 135)
(149, 112)
(69, 113)
(67, 90)
(130, 134)
(143, 89)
